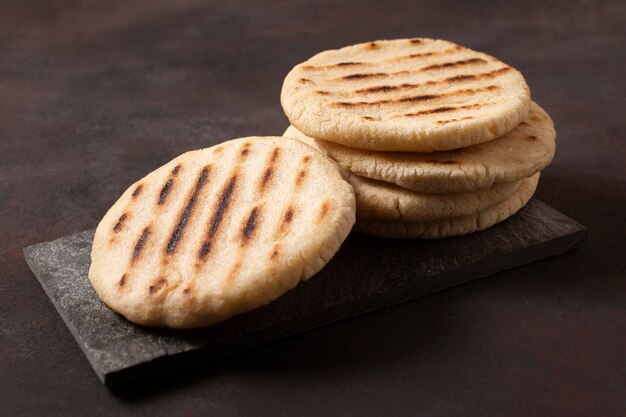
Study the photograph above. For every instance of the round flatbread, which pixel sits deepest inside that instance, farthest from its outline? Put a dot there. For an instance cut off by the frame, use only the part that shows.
(383, 201)
(409, 95)
(522, 152)
(454, 226)
(219, 231)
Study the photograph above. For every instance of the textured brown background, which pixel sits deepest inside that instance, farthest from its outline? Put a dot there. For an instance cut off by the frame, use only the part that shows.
(93, 96)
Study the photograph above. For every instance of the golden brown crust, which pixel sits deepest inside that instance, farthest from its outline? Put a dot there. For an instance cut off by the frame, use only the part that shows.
(405, 96)
(219, 231)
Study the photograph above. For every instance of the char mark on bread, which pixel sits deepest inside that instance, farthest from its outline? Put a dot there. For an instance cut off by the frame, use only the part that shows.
(268, 173)
(412, 86)
(167, 188)
(187, 211)
(141, 243)
(459, 63)
(361, 76)
(120, 223)
(165, 191)
(137, 191)
(415, 99)
(216, 219)
(444, 109)
(333, 66)
(250, 225)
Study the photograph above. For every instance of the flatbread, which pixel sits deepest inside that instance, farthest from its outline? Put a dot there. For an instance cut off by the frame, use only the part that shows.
(383, 201)
(453, 226)
(219, 231)
(524, 151)
(409, 95)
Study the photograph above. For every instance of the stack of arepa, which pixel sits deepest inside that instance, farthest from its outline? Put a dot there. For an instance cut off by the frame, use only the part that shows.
(436, 139)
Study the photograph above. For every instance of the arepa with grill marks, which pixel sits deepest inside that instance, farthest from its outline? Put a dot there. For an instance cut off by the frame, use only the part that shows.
(408, 95)
(219, 231)
(518, 154)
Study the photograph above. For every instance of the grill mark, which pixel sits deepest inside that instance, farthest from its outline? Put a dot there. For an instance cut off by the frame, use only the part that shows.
(373, 45)
(120, 223)
(333, 66)
(489, 74)
(524, 124)
(288, 217)
(267, 175)
(122, 281)
(302, 172)
(454, 79)
(532, 138)
(462, 62)
(447, 65)
(245, 150)
(269, 169)
(157, 285)
(305, 81)
(419, 98)
(300, 178)
(424, 54)
(137, 190)
(286, 221)
(416, 41)
(176, 169)
(413, 56)
(361, 76)
(217, 217)
(275, 252)
(141, 243)
(443, 110)
(461, 77)
(204, 250)
(445, 122)
(381, 88)
(187, 211)
(165, 191)
(250, 225)
(414, 99)
(368, 118)
(324, 209)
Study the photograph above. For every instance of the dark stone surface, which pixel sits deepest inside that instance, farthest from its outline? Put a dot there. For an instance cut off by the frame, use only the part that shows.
(366, 274)
(95, 94)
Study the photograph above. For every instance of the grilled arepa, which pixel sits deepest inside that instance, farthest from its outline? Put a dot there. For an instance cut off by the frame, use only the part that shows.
(453, 226)
(410, 95)
(379, 200)
(219, 231)
(519, 154)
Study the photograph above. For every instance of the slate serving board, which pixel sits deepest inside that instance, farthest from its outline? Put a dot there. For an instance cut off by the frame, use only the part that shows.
(366, 274)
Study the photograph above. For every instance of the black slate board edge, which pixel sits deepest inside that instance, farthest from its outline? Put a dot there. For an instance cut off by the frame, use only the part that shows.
(171, 363)
(96, 367)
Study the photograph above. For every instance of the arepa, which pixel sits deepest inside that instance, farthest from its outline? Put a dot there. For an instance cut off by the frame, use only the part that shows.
(383, 201)
(409, 95)
(453, 226)
(518, 154)
(219, 231)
